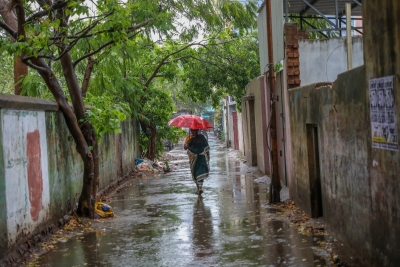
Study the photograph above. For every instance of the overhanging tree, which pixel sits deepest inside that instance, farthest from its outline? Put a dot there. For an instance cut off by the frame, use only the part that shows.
(220, 70)
(65, 33)
(139, 63)
(7, 12)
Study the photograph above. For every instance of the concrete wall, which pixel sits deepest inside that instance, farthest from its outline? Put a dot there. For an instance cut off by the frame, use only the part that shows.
(40, 170)
(359, 184)
(25, 170)
(282, 156)
(381, 22)
(240, 133)
(256, 109)
(322, 60)
(230, 133)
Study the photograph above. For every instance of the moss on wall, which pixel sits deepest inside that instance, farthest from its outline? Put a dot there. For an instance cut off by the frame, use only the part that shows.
(66, 167)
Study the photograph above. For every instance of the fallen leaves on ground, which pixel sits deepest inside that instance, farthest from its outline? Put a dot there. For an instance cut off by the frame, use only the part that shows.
(75, 226)
(287, 210)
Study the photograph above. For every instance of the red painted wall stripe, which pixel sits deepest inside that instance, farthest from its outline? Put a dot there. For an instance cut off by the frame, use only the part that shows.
(35, 181)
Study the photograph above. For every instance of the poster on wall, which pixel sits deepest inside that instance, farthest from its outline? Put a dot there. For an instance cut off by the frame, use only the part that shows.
(383, 113)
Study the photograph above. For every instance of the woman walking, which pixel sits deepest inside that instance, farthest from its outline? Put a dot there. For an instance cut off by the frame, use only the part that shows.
(199, 157)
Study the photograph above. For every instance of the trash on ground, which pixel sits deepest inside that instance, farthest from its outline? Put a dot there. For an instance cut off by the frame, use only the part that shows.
(146, 165)
(103, 210)
(138, 160)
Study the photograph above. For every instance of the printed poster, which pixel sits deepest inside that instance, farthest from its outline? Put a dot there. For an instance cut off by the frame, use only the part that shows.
(383, 113)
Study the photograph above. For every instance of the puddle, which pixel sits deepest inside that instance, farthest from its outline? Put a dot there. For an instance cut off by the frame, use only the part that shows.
(161, 222)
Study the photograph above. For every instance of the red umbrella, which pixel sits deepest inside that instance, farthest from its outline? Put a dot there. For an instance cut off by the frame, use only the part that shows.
(190, 121)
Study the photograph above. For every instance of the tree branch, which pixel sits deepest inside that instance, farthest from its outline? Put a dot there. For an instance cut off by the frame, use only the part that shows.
(163, 62)
(88, 73)
(19, 8)
(92, 53)
(66, 50)
(70, 118)
(99, 49)
(57, 5)
(129, 30)
(8, 29)
(33, 66)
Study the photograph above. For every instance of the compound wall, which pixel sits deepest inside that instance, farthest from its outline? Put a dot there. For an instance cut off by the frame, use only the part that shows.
(40, 170)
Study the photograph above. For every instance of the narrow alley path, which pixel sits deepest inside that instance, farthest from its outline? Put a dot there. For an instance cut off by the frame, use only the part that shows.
(162, 222)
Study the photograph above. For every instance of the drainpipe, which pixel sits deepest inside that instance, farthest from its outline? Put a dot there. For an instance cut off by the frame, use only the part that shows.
(348, 37)
(275, 187)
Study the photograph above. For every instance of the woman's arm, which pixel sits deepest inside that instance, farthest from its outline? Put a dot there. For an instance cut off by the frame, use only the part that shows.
(186, 144)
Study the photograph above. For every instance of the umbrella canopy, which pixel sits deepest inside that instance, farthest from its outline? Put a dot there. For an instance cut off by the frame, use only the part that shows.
(190, 121)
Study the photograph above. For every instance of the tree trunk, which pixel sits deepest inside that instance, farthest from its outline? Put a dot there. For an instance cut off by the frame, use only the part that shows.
(90, 174)
(88, 73)
(151, 154)
(83, 133)
(80, 135)
(91, 164)
(20, 69)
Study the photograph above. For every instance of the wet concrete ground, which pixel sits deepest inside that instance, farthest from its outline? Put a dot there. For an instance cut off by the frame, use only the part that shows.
(162, 222)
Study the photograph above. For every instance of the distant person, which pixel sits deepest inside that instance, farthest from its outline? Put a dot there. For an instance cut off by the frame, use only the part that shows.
(199, 157)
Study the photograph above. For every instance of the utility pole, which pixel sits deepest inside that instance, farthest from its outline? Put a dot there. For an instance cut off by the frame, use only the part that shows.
(275, 187)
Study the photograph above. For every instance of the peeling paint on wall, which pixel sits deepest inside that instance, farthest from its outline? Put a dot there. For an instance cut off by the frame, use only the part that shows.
(26, 175)
(34, 169)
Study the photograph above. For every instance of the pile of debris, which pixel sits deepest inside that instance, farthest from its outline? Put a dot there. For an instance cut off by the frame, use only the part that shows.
(146, 165)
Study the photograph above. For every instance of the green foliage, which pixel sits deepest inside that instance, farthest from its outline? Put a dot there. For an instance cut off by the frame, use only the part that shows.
(164, 133)
(218, 117)
(278, 67)
(139, 45)
(220, 70)
(158, 109)
(223, 139)
(106, 114)
(34, 86)
(6, 73)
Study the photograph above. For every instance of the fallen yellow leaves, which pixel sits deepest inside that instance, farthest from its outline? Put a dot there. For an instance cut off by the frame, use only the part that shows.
(75, 226)
(305, 225)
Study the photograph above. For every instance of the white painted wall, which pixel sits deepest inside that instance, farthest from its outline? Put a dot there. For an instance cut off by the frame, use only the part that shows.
(16, 125)
(277, 34)
(323, 59)
(232, 108)
(240, 133)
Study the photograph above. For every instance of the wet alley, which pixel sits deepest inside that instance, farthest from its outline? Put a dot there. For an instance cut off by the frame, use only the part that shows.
(162, 222)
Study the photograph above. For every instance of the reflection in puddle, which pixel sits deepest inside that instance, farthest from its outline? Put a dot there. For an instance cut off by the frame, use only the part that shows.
(161, 222)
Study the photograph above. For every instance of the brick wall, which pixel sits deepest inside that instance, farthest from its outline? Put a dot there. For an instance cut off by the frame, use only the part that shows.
(292, 36)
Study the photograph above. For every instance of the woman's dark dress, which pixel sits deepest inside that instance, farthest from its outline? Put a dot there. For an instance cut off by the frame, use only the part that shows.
(197, 152)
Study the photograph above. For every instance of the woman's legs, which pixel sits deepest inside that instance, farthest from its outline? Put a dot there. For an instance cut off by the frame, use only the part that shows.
(199, 185)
